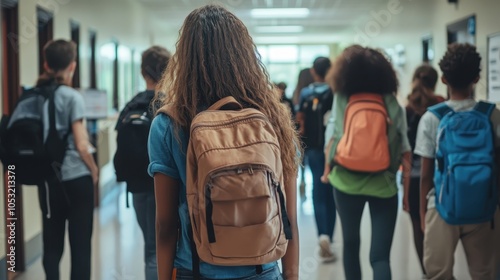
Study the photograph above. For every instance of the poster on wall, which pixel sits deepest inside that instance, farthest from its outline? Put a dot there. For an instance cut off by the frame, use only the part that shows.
(494, 68)
(96, 103)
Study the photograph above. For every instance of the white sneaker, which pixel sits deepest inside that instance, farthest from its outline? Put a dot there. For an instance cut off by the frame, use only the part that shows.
(325, 251)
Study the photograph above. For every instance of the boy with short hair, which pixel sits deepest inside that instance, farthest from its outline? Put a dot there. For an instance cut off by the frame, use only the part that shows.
(444, 228)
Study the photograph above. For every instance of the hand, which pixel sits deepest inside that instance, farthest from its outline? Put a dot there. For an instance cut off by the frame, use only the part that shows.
(324, 179)
(95, 176)
(406, 203)
(326, 172)
(422, 221)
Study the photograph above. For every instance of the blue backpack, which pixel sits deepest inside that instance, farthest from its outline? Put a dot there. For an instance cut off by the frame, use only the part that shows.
(465, 175)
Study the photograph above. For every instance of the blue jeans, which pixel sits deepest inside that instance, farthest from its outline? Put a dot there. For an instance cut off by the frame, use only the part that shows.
(269, 274)
(145, 210)
(383, 212)
(324, 203)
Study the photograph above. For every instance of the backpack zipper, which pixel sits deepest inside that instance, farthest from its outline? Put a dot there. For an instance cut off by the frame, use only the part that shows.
(442, 186)
(231, 122)
(358, 101)
(350, 120)
(237, 169)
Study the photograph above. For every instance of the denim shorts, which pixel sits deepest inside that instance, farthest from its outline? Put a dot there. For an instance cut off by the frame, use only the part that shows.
(272, 273)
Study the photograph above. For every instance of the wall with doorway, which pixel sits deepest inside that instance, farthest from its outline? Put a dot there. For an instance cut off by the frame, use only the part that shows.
(126, 26)
(486, 24)
(411, 21)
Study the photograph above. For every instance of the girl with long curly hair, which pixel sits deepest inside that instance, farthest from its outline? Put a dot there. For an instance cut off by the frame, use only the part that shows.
(215, 58)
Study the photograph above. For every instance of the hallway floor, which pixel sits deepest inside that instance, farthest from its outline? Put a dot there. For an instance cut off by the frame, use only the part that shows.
(118, 246)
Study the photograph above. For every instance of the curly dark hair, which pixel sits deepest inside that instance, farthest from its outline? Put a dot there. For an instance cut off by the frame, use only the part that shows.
(426, 76)
(461, 65)
(359, 69)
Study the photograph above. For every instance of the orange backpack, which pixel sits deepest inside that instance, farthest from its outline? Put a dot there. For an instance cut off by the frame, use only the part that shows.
(235, 191)
(364, 146)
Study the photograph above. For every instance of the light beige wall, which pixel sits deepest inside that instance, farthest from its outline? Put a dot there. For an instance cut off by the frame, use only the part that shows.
(417, 19)
(487, 23)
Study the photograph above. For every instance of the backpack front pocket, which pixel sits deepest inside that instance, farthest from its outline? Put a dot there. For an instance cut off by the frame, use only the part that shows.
(242, 212)
(471, 182)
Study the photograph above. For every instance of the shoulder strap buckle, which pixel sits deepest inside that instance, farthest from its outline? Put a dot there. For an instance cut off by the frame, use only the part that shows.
(440, 110)
(485, 107)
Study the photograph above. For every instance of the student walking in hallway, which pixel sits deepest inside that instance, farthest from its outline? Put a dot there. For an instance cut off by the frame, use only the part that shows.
(131, 159)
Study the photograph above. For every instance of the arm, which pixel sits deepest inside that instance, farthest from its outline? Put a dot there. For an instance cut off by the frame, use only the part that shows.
(426, 184)
(329, 139)
(290, 261)
(167, 202)
(407, 157)
(327, 168)
(82, 145)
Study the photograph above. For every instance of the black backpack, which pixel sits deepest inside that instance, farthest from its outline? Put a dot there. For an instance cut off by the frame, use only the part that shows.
(131, 159)
(314, 107)
(22, 142)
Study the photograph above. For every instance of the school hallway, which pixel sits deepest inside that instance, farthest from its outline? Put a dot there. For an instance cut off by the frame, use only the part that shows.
(118, 246)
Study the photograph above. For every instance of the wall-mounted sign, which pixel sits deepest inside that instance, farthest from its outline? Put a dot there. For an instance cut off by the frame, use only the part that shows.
(96, 103)
(494, 68)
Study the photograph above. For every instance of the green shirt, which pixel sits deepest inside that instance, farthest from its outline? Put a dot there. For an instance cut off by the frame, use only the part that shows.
(382, 184)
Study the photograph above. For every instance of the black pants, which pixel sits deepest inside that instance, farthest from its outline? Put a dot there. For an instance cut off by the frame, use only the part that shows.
(383, 212)
(71, 201)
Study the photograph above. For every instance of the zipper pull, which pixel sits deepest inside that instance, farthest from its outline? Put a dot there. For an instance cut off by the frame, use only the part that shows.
(250, 170)
(239, 171)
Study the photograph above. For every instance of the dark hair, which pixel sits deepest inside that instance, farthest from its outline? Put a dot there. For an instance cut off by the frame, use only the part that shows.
(321, 66)
(305, 79)
(426, 76)
(421, 98)
(461, 65)
(281, 86)
(359, 69)
(58, 55)
(154, 62)
(215, 57)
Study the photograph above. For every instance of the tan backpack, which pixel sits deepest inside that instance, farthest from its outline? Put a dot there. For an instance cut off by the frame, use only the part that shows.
(235, 190)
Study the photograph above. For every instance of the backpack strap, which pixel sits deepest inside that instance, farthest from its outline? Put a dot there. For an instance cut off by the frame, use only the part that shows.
(226, 103)
(485, 107)
(440, 110)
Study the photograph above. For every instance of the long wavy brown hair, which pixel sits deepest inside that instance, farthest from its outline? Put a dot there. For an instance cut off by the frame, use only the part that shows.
(215, 57)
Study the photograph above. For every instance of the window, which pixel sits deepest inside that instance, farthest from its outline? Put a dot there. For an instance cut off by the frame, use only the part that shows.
(462, 31)
(428, 50)
(139, 84)
(45, 33)
(75, 37)
(125, 76)
(10, 55)
(93, 73)
(107, 57)
(284, 62)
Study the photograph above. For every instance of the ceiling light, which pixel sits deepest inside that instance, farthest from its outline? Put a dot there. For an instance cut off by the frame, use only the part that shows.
(279, 29)
(280, 13)
(276, 40)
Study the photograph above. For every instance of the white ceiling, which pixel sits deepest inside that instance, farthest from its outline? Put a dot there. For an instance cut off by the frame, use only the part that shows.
(328, 19)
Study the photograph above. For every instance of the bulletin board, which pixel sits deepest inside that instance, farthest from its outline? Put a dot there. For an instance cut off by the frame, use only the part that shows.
(96, 103)
(493, 69)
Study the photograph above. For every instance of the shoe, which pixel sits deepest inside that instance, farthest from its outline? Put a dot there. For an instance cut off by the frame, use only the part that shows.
(325, 252)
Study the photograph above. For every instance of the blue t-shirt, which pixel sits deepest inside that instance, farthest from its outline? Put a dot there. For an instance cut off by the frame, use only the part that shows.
(168, 157)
